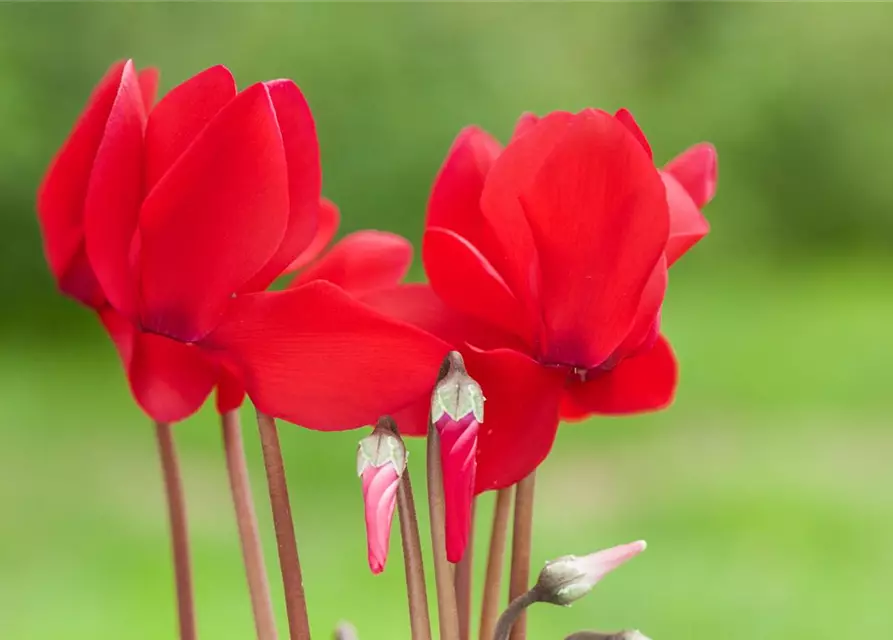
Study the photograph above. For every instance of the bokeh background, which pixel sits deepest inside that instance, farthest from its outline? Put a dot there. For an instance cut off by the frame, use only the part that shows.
(765, 492)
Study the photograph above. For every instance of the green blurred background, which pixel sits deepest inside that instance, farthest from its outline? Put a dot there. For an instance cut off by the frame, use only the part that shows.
(765, 492)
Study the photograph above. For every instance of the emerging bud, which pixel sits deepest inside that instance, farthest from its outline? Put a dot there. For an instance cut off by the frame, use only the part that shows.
(631, 634)
(457, 412)
(381, 460)
(345, 631)
(569, 578)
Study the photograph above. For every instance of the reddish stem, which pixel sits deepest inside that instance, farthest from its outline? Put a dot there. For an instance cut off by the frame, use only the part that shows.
(495, 559)
(522, 539)
(289, 562)
(419, 620)
(463, 580)
(176, 509)
(443, 570)
(246, 520)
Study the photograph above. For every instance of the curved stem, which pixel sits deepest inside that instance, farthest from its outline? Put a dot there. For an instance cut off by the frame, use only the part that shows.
(495, 559)
(463, 582)
(246, 520)
(419, 620)
(289, 562)
(522, 539)
(514, 613)
(443, 571)
(176, 508)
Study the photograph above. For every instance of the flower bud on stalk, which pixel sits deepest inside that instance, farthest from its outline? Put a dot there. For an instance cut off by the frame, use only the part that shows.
(632, 634)
(457, 412)
(381, 460)
(567, 579)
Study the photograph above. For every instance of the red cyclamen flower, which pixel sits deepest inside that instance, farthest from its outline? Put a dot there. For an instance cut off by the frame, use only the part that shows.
(547, 263)
(457, 412)
(381, 461)
(170, 221)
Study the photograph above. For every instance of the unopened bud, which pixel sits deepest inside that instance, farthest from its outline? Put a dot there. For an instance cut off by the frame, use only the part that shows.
(567, 579)
(631, 634)
(457, 412)
(381, 460)
(345, 631)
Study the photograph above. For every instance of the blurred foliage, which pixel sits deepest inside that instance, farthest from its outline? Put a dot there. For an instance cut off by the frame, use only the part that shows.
(796, 99)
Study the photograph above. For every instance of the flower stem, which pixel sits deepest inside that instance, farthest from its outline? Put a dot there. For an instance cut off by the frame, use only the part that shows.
(495, 558)
(443, 572)
(522, 539)
(514, 614)
(419, 621)
(463, 579)
(289, 562)
(249, 536)
(176, 508)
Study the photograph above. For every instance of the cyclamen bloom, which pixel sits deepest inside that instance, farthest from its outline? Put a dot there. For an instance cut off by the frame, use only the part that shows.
(547, 263)
(170, 221)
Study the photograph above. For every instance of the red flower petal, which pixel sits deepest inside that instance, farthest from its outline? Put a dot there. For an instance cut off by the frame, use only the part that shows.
(521, 415)
(230, 392)
(696, 170)
(304, 179)
(412, 420)
(598, 213)
(60, 199)
(169, 380)
(646, 315)
(626, 119)
(525, 123)
(361, 262)
(644, 382)
(687, 223)
(455, 202)
(467, 282)
(316, 357)
(516, 258)
(214, 220)
(175, 122)
(328, 219)
(148, 78)
(111, 209)
(418, 305)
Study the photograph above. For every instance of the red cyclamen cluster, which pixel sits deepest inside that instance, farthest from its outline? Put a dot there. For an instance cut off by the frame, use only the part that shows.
(547, 262)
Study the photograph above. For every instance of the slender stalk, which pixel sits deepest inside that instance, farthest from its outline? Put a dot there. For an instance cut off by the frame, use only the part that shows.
(246, 520)
(419, 621)
(463, 579)
(443, 571)
(289, 562)
(495, 558)
(176, 509)
(514, 614)
(522, 538)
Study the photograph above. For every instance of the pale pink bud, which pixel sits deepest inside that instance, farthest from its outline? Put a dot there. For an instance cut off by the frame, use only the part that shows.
(381, 460)
(457, 412)
(569, 578)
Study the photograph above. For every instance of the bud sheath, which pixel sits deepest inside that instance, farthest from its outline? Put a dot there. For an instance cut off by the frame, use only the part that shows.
(457, 412)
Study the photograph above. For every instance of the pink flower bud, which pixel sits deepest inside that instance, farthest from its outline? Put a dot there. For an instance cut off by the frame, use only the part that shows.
(569, 578)
(457, 412)
(381, 460)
